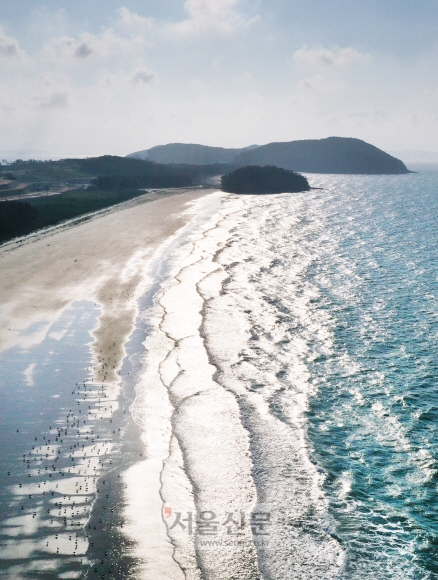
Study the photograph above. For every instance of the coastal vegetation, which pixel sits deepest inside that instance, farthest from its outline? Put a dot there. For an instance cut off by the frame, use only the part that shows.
(123, 172)
(16, 218)
(82, 186)
(268, 179)
(19, 218)
(105, 172)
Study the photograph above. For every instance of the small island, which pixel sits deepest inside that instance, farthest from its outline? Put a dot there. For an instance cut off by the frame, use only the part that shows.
(268, 179)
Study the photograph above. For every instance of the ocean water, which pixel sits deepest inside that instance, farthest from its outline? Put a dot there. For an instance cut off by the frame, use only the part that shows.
(278, 410)
(289, 390)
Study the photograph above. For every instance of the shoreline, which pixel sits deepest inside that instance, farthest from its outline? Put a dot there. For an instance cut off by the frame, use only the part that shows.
(148, 196)
(100, 257)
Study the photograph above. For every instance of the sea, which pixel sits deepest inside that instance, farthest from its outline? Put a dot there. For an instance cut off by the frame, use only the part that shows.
(277, 415)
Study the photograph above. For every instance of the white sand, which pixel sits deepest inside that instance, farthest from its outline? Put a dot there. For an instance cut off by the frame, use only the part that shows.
(103, 259)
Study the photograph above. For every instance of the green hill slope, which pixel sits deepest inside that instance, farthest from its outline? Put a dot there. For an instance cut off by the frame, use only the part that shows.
(188, 153)
(331, 155)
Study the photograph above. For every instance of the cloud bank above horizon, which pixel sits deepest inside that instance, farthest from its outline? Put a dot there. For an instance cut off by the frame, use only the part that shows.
(116, 77)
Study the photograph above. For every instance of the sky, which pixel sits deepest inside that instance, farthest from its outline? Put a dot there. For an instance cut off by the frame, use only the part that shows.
(94, 77)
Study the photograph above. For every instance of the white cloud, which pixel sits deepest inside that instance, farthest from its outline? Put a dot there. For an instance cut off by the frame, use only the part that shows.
(131, 20)
(202, 15)
(326, 58)
(9, 47)
(143, 76)
(89, 46)
(326, 68)
(212, 15)
(124, 80)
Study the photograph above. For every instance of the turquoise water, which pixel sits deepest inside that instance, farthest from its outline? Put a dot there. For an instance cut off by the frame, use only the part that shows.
(373, 423)
(333, 296)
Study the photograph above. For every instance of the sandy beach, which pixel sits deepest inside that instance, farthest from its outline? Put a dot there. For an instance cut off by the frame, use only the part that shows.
(60, 287)
(101, 258)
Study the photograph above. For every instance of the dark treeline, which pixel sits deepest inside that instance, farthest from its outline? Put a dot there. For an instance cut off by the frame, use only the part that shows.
(140, 181)
(19, 218)
(16, 218)
(109, 172)
(122, 172)
(268, 179)
(21, 163)
(125, 172)
(199, 171)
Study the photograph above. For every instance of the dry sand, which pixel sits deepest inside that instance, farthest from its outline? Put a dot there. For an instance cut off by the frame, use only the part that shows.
(102, 259)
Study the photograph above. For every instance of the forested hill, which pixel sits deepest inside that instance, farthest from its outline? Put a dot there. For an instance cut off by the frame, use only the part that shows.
(122, 172)
(50, 192)
(254, 179)
(187, 153)
(105, 172)
(331, 155)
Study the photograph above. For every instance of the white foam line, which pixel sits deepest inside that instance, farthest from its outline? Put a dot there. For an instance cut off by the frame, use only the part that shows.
(220, 447)
(176, 394)
(240, 329)
(153, 411)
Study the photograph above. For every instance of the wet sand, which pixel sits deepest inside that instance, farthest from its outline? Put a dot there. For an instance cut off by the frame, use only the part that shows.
(100, 258)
